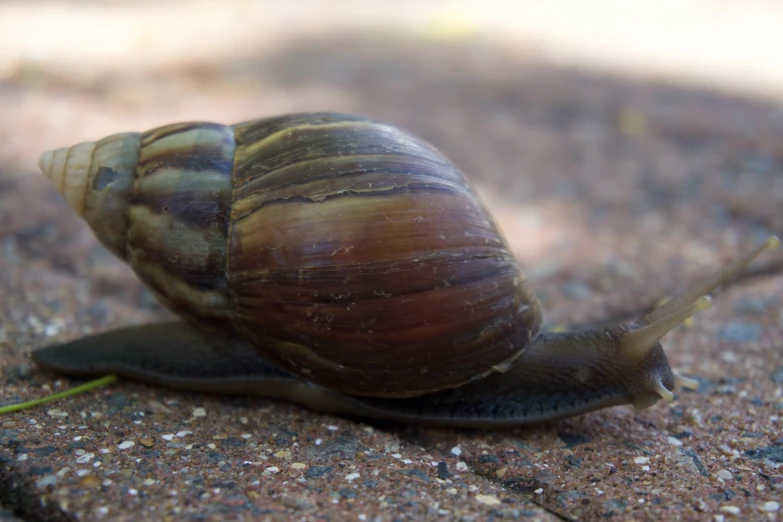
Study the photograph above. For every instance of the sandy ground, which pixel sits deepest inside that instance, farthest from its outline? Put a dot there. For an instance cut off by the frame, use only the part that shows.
(624, 154)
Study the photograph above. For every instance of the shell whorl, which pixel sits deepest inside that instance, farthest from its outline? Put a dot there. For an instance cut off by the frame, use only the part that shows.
(96, 181)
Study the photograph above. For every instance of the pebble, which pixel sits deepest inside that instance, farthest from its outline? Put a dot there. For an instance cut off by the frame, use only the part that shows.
(674, 441)
(199, 412)
(770, 507)
(48, 480)
(732, 510)
(456, 450)
(271, 470)
(298, 465)
(127, 444)
(738, 332)
(89, 481)
(490, 500)
(725, 474)
(87, 457)
(147, 443)
(642, 460)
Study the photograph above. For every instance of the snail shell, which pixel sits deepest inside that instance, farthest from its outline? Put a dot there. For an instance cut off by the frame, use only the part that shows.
(343, 264)
(343, 248)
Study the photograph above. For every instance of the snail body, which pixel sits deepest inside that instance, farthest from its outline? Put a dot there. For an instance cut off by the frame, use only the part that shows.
(343, 264)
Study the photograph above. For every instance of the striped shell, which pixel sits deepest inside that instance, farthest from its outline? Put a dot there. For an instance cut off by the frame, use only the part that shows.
(343, 248)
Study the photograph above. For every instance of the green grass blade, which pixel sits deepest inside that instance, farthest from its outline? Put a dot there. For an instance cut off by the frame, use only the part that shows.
(103, 381)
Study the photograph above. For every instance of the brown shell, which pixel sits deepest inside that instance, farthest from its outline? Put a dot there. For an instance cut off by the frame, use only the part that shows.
(343, 248)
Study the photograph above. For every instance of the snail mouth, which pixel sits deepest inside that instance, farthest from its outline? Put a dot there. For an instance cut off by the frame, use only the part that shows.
(655, 390)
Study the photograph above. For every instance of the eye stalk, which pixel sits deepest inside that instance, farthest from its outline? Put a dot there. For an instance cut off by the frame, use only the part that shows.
(648, 330)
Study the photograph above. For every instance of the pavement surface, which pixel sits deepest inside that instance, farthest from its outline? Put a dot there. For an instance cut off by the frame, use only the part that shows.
(614, 191)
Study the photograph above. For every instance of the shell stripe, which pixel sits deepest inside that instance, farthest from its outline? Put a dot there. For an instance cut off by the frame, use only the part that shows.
(388, 168)
(291, 145)
(179, 216)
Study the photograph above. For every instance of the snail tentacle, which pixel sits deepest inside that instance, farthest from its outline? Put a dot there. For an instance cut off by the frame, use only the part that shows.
(710, 284)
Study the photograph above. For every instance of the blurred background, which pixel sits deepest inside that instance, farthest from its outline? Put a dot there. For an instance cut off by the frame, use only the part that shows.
(597, 131)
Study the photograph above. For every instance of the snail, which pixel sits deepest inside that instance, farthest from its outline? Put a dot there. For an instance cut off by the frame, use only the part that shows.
(345, 265)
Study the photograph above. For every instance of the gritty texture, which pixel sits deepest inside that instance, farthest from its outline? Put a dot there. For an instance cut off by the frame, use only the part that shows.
(612, 191)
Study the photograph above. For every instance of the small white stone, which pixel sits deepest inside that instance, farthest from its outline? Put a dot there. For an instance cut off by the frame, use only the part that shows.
(84, 459)
(490, 500)
(246, 436)
(332, 428)
(397, 455)
(642, 460)
(674, 441)
(318, 442)
(127, 444)
(48, 480)
(183, 433)
(133, 492)
(539, 491)
(169, 436)
(21, 457)
(407, 461)
(725, 474)
(199, 412)
(352, 476)
(732, 510)
(456, 450)
(461, 466)
(770, 507)
(271, 470)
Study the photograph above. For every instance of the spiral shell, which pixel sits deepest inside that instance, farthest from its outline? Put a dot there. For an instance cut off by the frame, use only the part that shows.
(343, 248)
